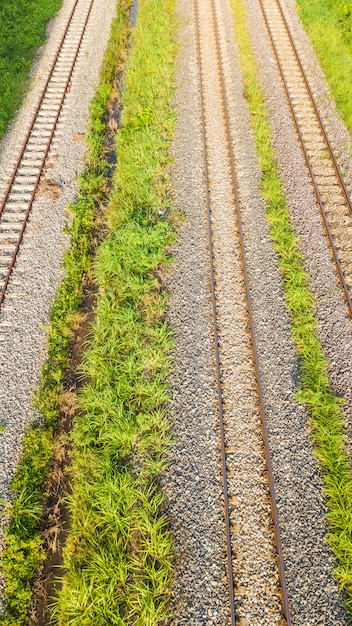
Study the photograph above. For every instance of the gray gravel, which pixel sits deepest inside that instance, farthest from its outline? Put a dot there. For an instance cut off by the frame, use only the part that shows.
(38, 270)
(338, 133)
(335, 327)
(193, 482)
(335, 330)
(333, 199)
(255, 569)
(313, 593)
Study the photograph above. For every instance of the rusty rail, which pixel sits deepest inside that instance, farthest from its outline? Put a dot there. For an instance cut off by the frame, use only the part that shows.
(328, 231)
(42, 155)
(281, 567)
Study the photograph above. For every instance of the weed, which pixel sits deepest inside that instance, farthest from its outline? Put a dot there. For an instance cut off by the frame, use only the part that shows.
(329, 24)
(118, 554)
(325, 408)
(24, 545)
(22, 31)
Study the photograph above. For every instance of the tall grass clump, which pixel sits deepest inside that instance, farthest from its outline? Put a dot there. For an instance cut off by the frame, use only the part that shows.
(315, 388)
(329, 25)
(24, 545)
(118, 554)
(22, 31)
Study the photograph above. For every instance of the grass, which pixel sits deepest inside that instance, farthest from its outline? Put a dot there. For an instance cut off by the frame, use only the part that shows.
(24, 545)
(22, 31)
(118, 554)
(327, 421)
(329, 24)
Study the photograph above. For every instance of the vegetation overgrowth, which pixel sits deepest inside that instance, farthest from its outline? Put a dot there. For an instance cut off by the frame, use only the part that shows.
(315, 389)
(22, 31)
(24, 545)
(329, 25)
(118, 555)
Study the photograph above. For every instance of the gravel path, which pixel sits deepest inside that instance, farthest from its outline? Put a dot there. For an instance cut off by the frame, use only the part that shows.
(313, 593)
(38, 270)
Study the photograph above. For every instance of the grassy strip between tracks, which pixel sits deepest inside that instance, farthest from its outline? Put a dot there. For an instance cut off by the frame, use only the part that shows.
(22, 31)
(329, 25)
(118, 554)
(316, 392)
(24, 545)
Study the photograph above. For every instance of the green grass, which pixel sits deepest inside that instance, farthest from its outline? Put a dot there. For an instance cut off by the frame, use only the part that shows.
(118, 554)
(315, 389)
(329, 25)
(22, 31)
(24, 546)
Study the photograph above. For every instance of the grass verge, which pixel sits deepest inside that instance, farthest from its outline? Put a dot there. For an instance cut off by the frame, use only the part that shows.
(24, 545)
(326, 415)
(118, 554)
(22, 31)
(329, 25)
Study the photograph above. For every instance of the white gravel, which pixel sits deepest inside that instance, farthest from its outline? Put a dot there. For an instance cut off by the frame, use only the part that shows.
(38, 271)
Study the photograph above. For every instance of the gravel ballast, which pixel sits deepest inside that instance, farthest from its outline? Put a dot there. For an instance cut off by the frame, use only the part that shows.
(38, 270)
(193, 485)
(335, 326)
(313, 593)
(334, 323)
(193, 482)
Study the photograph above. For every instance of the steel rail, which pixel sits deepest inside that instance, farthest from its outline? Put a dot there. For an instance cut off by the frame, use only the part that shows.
(253, 334)
(26, 139)
(310, 168)
(264, 425)
(312, 99)
(215, 330)
(17, 245)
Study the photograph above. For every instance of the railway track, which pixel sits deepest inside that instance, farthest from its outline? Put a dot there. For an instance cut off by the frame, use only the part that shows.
(20, 190)
(329, 187)
(217, 136)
